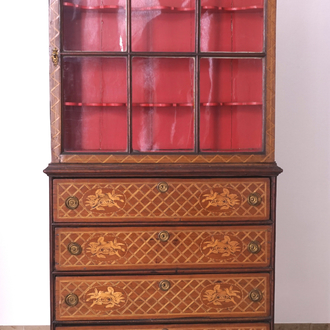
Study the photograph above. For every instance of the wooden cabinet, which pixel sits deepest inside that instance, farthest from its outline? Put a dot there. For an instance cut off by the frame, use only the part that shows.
(163, 179)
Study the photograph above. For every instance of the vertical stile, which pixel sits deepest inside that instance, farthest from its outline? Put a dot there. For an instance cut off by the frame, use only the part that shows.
(197, 60)
(129, 76)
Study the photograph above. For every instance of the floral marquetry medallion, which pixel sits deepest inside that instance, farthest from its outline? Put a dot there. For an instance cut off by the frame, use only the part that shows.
(224, 248)
(220, 200)
(106, 298)
(104, 200)
(221, 295)
(105, 247)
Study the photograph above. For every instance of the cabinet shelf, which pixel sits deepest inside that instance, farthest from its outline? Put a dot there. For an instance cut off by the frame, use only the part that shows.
(161, 105)
(232, 9)
(115, 8)
(95, 8)
(166, 9)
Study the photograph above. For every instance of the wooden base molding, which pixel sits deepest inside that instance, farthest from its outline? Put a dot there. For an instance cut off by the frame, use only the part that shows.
(278, 326)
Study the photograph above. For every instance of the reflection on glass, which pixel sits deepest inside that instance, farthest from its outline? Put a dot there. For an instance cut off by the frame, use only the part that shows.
(231, 116)
(163, 104)
(232, 25)
(163, 25)
(95, 104)
(94, 25)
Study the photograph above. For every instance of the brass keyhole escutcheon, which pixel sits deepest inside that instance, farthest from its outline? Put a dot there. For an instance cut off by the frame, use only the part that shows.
(164, 236)
(72, 202)
(71, 299)
(55, 57)
(255, 295)
(254, 247)
(74, 248)
(254, 199)
(162, 187)
(164, 285)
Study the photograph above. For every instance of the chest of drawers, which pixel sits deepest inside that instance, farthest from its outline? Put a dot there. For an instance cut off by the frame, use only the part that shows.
(163, 175)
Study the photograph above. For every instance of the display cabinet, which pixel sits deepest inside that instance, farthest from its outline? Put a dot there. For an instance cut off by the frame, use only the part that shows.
(163, 176)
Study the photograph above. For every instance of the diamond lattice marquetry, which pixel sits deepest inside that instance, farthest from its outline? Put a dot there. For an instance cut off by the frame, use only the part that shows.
(142, 297)
(184, 200)
(140, 248)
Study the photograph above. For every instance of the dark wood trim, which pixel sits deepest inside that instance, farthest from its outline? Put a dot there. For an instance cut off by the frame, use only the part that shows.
(162, 170)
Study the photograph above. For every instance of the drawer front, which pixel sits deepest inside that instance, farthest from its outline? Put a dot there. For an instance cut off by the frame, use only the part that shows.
(259, 326)
(163, 247)
(177, 296)
(97, 200)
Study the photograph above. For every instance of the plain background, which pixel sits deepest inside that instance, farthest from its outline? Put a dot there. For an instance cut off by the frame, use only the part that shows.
(302, 149)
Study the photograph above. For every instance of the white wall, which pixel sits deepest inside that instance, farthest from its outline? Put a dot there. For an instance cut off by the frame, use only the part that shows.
(303, 150)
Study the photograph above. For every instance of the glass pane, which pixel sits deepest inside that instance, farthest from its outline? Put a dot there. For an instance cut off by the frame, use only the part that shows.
(94, 25)
(163, 25)
(232, 25)
(95, 104)
(231, 96)
(163, 104)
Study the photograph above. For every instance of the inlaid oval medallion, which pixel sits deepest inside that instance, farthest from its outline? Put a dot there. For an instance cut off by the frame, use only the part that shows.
(106, 298)
(221, 247)
(223, 200)
(221, 295)
(104, 200)
(105, 248)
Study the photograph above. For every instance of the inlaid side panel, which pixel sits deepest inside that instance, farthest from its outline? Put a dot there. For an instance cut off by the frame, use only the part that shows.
(175, 327)
(148, 199)
(141, 248)
(139, 297)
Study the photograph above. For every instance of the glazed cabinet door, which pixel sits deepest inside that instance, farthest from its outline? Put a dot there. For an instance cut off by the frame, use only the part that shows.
(153, 80)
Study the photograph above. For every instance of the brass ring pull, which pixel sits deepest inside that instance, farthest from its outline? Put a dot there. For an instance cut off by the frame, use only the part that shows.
(254, 247)
(254, 199)
(162, 187)
(255, 295)
(74, 248)
(164, 285)
(71, 299)
(72, 202)
(163, 236)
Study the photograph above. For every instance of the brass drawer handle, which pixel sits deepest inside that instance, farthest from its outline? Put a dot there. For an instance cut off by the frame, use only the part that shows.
(74, 248)
(164, 285)
(254, 247)
(163, 236)
(162, 187)
(71, 299)
(72, 202)
(255, 295)
(254, 199)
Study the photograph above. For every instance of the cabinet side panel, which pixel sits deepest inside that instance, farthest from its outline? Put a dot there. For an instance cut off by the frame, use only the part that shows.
(55, 80)
(270, 81)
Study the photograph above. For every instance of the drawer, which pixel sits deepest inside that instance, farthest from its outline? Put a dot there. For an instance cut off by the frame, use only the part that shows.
(117, 200)
(176, 296)
(256, 326)
(162, 247)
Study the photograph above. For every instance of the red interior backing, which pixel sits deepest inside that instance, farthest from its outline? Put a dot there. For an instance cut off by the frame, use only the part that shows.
(231, 105)
(95, 107)
(163, 98)
(163, 25)
(232, 25)
(94, 25)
